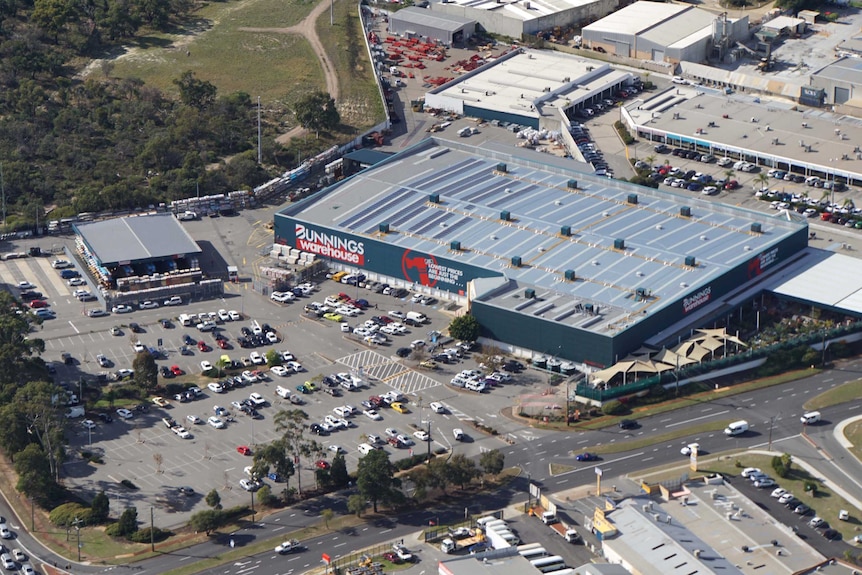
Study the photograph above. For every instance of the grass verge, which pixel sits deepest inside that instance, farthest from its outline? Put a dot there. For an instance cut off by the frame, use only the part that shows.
(631, 444)
(853, 433)
(837, 395)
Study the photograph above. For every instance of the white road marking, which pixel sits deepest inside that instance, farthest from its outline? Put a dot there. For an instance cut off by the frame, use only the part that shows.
(697, 418)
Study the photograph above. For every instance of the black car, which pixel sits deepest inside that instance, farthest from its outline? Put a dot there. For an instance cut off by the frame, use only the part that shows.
(329, 381)
(106, 417)
(316, 428)
(188, 491)
(403, 351)
(218, 336)
(513, 365)
(189, 340)
(830, 534)
(136, 328)
(30, 295)
(333, 391)
(245, 331)
(166, 323)
(661, 149)
(166, 373)
(441, 357)
(266, 328)
(244, 342)
(628, 424)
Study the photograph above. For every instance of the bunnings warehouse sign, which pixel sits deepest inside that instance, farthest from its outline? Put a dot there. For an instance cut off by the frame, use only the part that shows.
(376, 255)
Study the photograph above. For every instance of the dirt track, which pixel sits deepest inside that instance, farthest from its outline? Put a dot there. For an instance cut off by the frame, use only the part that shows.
(307, 29)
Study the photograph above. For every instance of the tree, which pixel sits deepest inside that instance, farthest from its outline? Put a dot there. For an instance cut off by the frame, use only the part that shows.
(265, 496)
(207, 521)
(375, 477)
(356, 504)
(327, 515)
(462, 470)
(100, 508)
(291, 424)
(439, 474)
(492, 461)
(198, 94)
(491, 357)
(762, 179)
(465, 327)
(213, 499)
(34, 473)
(146, 371)
(273, 358)
(126, 524)
(338, 472)
(317, 112)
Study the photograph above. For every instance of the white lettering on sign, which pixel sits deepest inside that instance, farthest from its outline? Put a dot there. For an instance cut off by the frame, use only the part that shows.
(696, 300)
(443, 273)
(330, 245)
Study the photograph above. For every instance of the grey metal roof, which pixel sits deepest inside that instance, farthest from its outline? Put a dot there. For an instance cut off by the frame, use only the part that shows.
(438, 20)
(843, 70)
(136, 238)
(366, 156)
(817, 283)
(534, 190)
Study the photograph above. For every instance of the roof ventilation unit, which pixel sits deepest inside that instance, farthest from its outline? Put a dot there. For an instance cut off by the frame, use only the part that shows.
(505, 216)
(434, 198)
(501, 167)
(530, 293)
(570, 275)
(383, 228)
(566, 231)
(572, 184)
(455, 246)
(756, 228)
(690, 261)
(516, 261)
(685, 211)
(632, 199)
(619, 244)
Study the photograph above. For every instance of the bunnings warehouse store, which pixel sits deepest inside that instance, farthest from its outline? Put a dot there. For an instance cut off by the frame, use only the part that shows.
(549, 260)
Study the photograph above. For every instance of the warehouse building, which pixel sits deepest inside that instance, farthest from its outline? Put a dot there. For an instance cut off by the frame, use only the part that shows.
(669, 33)
(549, 260)
(535, 88)
(143, 257)
(841, 82)
(516, 18)
(772, 134)
(415, 22)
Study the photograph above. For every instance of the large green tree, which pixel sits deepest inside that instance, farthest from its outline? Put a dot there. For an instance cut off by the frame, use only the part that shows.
(100, 507)
(462, 470)
(465, 327)
(146, 371)
(317, 111)
(338, 472)
(375, 478)
(198, 94)
(34, 474)
(291, 424)
(492, 461)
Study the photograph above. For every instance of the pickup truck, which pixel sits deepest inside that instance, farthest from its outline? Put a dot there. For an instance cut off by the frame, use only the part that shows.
(462, 538)
(288, 546)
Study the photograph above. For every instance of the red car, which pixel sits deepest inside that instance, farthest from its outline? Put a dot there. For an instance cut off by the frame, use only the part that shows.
(322, 464)
(731, 185)
(203, 346)
(38, 303)
(223, 344)
(392, 557)
(244, 450)
(176, 370)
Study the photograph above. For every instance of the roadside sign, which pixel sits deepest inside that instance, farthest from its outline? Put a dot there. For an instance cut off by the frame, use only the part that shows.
(326, 558)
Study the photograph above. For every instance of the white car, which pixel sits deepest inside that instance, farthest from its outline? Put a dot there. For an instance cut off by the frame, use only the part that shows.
(417, 343)
(249, 377)
(295, 366)
(103, 361)
(148, 305)
(778, 492)
(25, 285)
(689, 448)
(257, 358)
(257, 399)
(124, 373)
(372, 414)
(223, 315)
(88, 424)
(751, 471)
(60, 264)
(76, 282)
(437, 407)
(271, 337)
(336, 449)
(139, 347)
(215, 387)
(125, 413)
(215, 422)
(397, 314)
(249, 484)
(286, 356)
(392, 432)
(342, 412)
(5, 558)
(206, 366)
(27, 569)
(181, 432)
(175, 300)
(122, 308)
(279, 370)
(96, 313)
(234, 315)
(194, 419)
(404, 439)
(207, 326)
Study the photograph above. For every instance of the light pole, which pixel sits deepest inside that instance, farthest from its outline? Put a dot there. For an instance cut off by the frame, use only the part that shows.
(152, 529)
(77, 523)
(823, 349)
(771, 423)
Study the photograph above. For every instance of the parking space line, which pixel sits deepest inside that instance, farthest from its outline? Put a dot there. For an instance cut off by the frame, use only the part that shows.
(53, 277)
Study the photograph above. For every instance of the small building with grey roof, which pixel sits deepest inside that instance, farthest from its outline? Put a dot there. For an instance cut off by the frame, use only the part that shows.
(517, 18)
(535, 88)
(548, 259)
(137, 246)
(669, 33)
(841, 81)
(416, 22)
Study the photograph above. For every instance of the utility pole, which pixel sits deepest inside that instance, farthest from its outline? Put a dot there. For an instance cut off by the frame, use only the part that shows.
(152, 528)
(3, 194)
(259, 151)
(77, 523)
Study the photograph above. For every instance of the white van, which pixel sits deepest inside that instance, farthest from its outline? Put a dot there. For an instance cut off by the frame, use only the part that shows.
(417, 316)
(365, 448)
(736, 428)
(508, 537)
(497, 525)
(810, 417)
(458, 433)
(482, 521)
(188, 319)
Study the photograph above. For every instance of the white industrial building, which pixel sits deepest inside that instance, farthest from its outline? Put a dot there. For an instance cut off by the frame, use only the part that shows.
(422, 23)
(533, 88)
(515, 18)
(669, 33)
